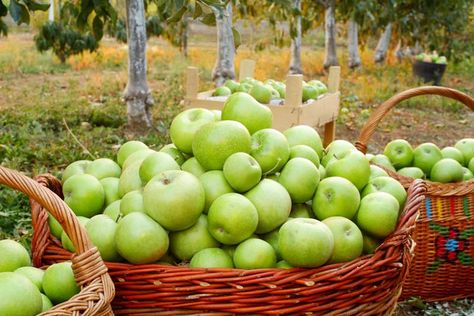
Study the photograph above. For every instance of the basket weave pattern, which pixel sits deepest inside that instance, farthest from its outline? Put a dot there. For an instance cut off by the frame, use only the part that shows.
(369, 285)
(97, 288)
(443, 267)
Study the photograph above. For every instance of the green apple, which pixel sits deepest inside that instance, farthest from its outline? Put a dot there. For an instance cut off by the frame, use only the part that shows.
(217, 114)
(232, 85)
(185, 243)
(412, 172)
(175, 199)
(352, 165)
(303, 151)
(140, 240)
(271, 150)
(272, 239)
(466, 146)
(378, 214)
(216, 141)
(54, 226)
(127, 149)
(453, 153)
(242, 107)
(304, 135)
(229, 249)
(261, 93)
(369, 156)
(101, 231)
(321, 87)
(35, 275)
(77, 167)
(59, 283)
(155, 163)
(84, 194)
(185, 125)
(192, 166)
(305, 242)
(168, 259)
(221, 91)
(309, 92)
(336, 196)
(242, 172)
(103, 168)
(446, 170)
(335, 148)
(388, 185)
(425, 156)
(383, 161)
(376, 172)
(211, 258)
(254, 253)
(274, 211)
(232, 218)
(215, 185)
(300, 177)
(282, 264)
(66, 241)
(113, 210)
(400, 153)
(174, 152)
(471, 165)
(467, 174)
(46, 303)
(136, 157)
(19, 297)
(322, 172)
(441, 60)
(111, 189)
(301, 211)
(130, 179)
(281, 88)
(370, 244)
(348, 241)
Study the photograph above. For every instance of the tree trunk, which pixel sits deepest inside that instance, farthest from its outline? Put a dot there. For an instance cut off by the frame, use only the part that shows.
(382, 46)
(184, 36)
(295, 61)
(224, 67)
(353, 39)
(330, 35)
(137, 94)
(51, 11)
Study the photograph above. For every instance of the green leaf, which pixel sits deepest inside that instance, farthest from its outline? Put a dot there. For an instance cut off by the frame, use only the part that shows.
(177, 16)
(209, 19)
(3, 9)
(98, 27)
(237, 39)
(35, 6)
(15, 11)
(197, 11)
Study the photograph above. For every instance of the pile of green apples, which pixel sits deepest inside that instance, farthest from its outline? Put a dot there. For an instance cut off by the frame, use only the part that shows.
(26, 290)
(428, 161)
(432, 58)
(230, 191)
(269, 90)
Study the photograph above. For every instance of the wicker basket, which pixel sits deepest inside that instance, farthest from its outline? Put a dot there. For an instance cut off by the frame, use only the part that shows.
(97, 289)
(368, 285)
(443, 267)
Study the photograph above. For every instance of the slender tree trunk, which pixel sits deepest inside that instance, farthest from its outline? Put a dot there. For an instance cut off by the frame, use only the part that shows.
(224, 67)
(295, 60)
(51, 11)
(137, 94)
(353, 39)
(382, 46)
(330, 35)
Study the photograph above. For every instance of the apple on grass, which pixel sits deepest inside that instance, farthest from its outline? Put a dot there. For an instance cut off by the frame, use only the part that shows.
(271, 212)
(59, 283)
(303, 151)
(140, 240)
(185, 243)
(111, 189)
(348, 241)
(232, 218)
(14, 256)
(412, 172)
(216, 141)
(215, 185)
(243, 108)
(300, 177)
(185, 125)
(304, 135)
(378, 214)
(466, 146)
(447, 170)
(19, 297)
(103, 168)
(254, 253)
(101, 231)
(352, 165)
(242, 172)
(388, 185)
(77, 167)
(175, 199)
(305, 242)
(155, 163)
(400, 153)
(453, 153)
(174, 152)
(84, 194)
(127, 149)
(192, 166)
(335, 196)
(425, 157)
(211, 258)
(271, 150)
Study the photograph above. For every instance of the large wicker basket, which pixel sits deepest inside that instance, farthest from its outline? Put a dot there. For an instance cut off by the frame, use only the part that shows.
(367, 285)
(97, 288)
(443, 267)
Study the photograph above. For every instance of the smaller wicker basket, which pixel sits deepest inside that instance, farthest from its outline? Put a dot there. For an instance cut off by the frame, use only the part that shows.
(443, 267)
(97, 288)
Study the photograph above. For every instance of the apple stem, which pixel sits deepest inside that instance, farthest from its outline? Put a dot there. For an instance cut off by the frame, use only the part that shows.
(273, 168)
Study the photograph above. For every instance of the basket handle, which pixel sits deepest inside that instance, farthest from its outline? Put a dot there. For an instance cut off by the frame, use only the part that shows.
(86, 262)
(369, 128)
